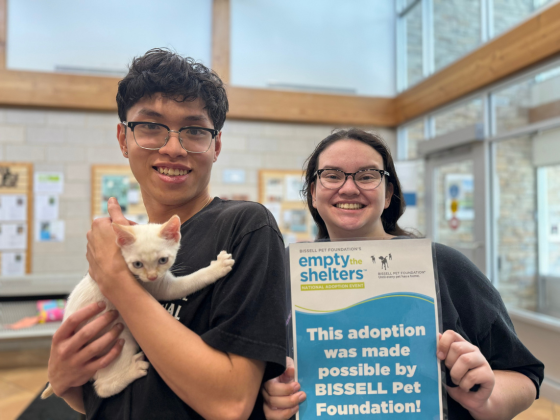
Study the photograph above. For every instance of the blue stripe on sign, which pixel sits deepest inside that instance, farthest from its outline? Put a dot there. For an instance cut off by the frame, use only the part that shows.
(409, 198)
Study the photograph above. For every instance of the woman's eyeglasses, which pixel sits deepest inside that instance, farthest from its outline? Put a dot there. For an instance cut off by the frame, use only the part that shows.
(366, 179)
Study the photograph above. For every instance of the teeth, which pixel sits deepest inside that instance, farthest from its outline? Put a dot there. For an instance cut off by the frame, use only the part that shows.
(348, 206)
(171, 171)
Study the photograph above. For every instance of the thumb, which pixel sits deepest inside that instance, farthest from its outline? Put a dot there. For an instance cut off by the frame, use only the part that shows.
(115, 212)
(289, 374)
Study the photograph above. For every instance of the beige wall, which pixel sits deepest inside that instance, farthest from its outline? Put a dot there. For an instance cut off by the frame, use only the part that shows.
(70, 142)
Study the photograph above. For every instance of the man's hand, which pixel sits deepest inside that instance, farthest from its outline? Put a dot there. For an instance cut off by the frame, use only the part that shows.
(281, 396)
(106, 264)
(467, 367)
(72, 360)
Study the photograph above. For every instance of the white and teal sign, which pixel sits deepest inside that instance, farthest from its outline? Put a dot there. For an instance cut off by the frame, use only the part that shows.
(365, 321)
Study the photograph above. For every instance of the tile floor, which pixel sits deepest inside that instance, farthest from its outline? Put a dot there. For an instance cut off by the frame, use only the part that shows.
(23, 375)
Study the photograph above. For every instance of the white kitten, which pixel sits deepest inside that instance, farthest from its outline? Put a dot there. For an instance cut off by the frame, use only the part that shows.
(149, 251)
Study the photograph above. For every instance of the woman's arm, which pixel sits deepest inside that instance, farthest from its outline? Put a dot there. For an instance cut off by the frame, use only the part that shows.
(502, 394)
(215, 384)
(281, 396)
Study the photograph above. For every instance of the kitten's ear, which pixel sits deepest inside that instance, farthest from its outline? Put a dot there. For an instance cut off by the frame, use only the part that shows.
(171, 230)
(125, 235)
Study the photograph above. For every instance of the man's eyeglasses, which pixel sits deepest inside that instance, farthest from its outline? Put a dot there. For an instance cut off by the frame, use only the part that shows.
(366, 179)
(154, 136)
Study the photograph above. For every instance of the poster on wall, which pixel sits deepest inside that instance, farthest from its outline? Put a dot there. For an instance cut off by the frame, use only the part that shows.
(13, 207)
(274, 190)
(49, 182)
(13, 236)
(46, 206)
(12, 263)
(294, 185)
(365, 326)
(49, 230)
(459, 196)
(115, 186)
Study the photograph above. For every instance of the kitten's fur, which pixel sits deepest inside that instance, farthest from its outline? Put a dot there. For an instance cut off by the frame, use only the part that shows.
(153, 247)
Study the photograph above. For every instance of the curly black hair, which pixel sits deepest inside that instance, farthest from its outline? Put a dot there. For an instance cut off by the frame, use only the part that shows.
(180, 78)
(391, 214)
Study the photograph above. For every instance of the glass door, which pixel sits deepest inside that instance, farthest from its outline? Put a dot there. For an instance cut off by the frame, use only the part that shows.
(455, 201)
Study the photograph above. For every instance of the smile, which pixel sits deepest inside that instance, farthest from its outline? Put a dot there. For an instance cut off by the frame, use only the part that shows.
(171, 171)
(349, 206)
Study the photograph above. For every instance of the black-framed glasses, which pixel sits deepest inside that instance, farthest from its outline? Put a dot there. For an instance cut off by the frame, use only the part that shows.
(366, 179)
(154, 136)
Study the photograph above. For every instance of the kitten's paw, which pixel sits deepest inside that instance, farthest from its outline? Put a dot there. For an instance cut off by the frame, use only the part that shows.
(109, 385)
(223, 264)
(140, 365)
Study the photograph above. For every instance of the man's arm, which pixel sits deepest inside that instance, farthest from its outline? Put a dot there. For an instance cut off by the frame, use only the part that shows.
(214, 383)
(73, 361)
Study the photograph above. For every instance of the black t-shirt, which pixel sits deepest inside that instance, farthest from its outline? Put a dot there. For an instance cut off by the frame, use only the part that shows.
(471, 306)
(243, 313)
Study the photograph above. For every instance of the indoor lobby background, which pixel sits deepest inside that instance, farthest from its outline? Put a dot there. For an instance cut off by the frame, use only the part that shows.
(466, 93)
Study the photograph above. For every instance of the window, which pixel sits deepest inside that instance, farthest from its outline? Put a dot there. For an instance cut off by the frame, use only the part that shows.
(413, 133)
(102, 37)
(457, 29)
(458, 117)
(516, 226)
(508, 13)
(530, 101)
(432, 34)
(414, 47)
(316, 45)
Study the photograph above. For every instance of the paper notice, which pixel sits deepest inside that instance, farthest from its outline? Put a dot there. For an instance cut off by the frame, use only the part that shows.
(49, 182)
(13, 236)
(46, 207)
(13, 263)
(13, 208)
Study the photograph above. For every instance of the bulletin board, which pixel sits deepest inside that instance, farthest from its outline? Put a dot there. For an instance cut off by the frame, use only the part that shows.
(119, 182)
(280, 192)
(16, 218)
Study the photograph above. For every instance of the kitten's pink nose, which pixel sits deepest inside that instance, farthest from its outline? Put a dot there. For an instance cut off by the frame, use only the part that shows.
(152, 278)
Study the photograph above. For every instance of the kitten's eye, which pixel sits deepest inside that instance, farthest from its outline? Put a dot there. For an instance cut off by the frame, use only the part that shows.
(137, 264)
(163, 260)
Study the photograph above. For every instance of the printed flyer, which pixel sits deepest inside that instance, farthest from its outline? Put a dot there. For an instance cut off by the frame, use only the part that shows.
(365, 325)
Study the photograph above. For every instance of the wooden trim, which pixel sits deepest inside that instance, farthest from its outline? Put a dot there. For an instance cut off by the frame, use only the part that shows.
(544, 112)
(3, 32)
(529, 43)
(55, 90)
(30, 218)
(221, 39)
(285, 106)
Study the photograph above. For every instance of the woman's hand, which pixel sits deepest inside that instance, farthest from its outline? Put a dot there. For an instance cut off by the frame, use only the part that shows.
(72, 360)
(106, 264)
(281, 396)
(467, 368)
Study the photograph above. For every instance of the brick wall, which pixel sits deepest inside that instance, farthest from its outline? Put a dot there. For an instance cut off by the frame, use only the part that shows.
(70, 142)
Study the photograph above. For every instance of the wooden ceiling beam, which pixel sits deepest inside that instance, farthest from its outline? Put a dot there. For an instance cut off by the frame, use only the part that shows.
(3, 32)
(221, 39)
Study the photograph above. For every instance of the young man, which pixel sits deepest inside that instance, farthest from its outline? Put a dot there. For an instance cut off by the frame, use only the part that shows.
(230, 335)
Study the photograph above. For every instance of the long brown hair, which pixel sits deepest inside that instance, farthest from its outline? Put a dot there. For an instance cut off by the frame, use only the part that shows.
(396, 208)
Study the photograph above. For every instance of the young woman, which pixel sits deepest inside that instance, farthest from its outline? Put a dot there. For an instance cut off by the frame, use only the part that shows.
(353, 191)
